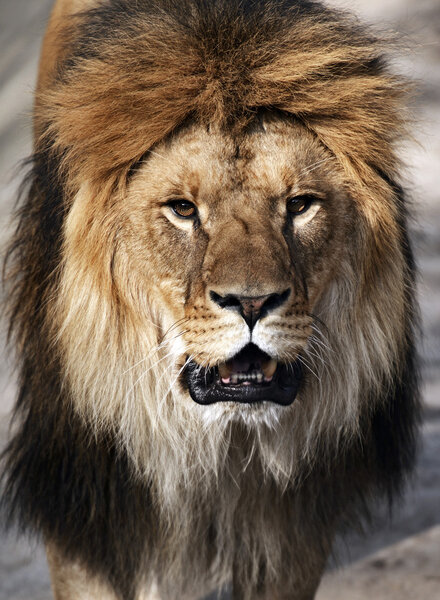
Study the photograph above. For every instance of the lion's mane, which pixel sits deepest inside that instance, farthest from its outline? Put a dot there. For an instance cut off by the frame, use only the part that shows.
(94, 464)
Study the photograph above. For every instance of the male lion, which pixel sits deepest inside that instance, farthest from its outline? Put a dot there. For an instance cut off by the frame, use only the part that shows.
(212, 297)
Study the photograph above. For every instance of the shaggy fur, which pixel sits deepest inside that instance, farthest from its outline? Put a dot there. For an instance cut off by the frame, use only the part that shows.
(111, 461)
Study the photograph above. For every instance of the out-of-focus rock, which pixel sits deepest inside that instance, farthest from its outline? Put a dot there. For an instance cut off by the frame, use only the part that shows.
(409, 570)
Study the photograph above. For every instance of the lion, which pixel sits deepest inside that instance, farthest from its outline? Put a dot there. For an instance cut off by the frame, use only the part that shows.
(212, 298)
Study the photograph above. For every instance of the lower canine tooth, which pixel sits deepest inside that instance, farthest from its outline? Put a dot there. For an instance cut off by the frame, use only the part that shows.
(269, 368)
(224, 370)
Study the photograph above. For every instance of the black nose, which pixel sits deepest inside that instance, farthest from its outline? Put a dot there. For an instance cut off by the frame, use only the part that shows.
(251, 308)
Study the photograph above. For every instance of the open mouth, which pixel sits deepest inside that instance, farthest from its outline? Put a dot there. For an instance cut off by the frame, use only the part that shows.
(250, 376)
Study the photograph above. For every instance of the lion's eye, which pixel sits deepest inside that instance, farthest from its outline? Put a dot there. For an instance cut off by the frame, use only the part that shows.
(183, 209)
(299, 204)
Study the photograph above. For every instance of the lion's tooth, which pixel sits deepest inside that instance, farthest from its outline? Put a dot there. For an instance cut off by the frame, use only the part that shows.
(269, 368)
(224, 370)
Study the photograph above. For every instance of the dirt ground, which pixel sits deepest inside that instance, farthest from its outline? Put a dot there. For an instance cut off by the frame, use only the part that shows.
(398, 560)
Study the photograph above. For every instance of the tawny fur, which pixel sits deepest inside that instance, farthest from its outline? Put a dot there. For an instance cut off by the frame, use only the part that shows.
(230, 105)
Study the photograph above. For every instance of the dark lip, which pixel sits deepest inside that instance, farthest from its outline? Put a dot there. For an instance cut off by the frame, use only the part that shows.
(205, 387)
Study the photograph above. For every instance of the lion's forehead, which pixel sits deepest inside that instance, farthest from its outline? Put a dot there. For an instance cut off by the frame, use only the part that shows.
(220, 169)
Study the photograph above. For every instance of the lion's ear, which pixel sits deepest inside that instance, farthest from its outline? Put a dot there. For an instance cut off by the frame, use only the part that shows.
(54, 44)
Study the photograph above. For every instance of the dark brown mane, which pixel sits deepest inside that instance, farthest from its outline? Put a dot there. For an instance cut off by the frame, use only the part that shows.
(129, 81)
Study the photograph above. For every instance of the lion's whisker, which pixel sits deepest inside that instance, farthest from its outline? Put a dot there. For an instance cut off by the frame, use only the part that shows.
(313, 355)
(187, 361)
(314, 166)
(303, 361)
(155, 349)
(321, 344)
(175, 324)
(318, 321)
(147, 371)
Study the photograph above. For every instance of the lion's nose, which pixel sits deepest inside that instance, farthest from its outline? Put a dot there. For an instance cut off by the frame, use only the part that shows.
(251, 308)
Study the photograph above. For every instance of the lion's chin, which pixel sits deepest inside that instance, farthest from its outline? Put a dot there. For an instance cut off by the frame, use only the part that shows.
(250, 377)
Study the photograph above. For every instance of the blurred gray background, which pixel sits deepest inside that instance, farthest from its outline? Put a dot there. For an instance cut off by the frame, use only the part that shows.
(398, 560)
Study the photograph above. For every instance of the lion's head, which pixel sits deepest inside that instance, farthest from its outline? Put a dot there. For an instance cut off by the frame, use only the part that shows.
(222, 251)
(234, 238)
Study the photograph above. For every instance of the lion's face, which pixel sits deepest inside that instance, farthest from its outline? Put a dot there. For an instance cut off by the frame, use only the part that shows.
(224, 278)
(235, 241)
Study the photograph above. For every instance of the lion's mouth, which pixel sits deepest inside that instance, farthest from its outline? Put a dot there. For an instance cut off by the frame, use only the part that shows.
(250, 376)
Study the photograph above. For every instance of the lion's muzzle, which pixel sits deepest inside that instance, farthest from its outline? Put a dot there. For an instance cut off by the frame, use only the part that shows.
(249, 377)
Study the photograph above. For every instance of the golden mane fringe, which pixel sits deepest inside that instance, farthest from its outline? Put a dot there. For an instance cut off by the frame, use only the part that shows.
(171, 62)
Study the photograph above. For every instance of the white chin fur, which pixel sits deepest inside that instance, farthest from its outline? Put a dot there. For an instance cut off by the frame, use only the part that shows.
(265, 414)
